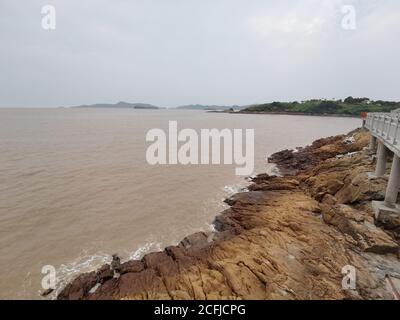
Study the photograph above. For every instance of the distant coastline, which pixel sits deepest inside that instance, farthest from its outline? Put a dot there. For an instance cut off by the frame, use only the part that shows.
(349, 107)
(209, 107)
(121, 105)
(339, 115)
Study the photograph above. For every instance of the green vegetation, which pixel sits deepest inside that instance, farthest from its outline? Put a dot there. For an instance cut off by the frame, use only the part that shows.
(348, 106)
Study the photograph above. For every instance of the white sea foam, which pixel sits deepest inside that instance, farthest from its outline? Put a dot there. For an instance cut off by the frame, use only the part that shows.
(272, 170)
(144, 249)
(88, 263)
(85, 263)
(232, 189)
(349, 140)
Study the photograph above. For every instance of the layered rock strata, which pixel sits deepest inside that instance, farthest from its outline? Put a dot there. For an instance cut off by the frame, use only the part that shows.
(288, 237)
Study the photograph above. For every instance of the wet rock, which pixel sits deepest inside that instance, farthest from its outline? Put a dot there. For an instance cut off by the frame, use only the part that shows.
(79, 288)
(132, 266)
(104, 273)
(196, 241)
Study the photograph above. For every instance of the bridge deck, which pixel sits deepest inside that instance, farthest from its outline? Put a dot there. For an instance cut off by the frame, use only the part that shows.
(385, 126)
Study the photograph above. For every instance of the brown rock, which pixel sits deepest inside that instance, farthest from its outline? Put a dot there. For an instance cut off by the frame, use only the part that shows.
(272, 243)
(132, 266)
(352, 222)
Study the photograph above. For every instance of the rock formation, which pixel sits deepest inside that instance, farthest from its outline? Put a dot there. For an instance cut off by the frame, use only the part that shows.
(288, 237)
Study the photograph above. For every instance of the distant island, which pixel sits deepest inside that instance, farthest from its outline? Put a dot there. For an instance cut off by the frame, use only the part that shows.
(209, 107)
(121, 104)
(347, 107)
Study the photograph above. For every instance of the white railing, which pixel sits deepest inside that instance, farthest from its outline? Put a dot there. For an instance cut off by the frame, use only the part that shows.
(385, 126)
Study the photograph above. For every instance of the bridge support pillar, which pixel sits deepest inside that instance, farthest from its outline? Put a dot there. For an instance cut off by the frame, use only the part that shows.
(373, 143)
(392, 189)
(381, 158)
(387, 210)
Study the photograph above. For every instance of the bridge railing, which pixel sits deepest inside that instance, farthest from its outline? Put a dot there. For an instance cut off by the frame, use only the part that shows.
(386, 127)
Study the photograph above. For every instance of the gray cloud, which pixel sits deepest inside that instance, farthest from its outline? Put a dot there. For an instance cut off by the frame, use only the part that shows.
(174, 52)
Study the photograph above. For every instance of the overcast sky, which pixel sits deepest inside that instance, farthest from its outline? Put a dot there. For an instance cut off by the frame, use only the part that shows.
(176, 52)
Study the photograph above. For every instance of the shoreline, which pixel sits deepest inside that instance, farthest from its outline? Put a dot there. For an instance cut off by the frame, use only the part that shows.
(337, 115)
(248, 255)
(151, 247)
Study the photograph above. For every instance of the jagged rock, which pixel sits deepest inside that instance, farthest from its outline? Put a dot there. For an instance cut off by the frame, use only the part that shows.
(104, 273)
(131, 267)
(47, 292)
(265, 183)
(390, 222)
(351, 221)
(290, 163)
(273, 242)
(360, 188)
(196, 240)
(79, 288)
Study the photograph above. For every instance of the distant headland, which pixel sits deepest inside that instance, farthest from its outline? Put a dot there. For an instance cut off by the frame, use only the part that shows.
(209, 107)
(121, 104)
(347, 107)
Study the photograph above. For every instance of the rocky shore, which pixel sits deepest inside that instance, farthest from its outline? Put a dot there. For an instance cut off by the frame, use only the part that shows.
(288, 237)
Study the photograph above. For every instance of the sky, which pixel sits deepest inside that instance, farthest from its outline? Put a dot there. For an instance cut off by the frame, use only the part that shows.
(178, 52)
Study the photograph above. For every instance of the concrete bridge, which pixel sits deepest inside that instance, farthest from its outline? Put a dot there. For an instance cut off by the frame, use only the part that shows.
(385, 139)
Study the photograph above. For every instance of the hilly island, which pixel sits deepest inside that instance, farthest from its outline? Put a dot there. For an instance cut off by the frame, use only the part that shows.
(347, 107)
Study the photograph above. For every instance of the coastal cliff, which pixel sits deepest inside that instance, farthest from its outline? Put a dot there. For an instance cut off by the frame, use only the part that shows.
(288, 237)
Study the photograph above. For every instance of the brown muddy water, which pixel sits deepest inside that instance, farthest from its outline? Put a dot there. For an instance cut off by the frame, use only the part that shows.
(75, 186)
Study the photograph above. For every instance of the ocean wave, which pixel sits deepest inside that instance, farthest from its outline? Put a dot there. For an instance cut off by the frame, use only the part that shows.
(83, 264)
(144, 249)
(88, 263)
(235, 188)
(67, 272)
(273, 170)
